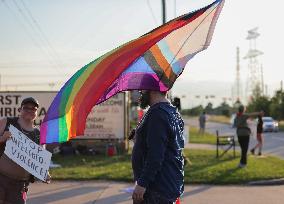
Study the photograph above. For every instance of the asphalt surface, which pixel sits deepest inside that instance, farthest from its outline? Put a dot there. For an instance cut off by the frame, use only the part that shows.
(273, 142)
(99, 192)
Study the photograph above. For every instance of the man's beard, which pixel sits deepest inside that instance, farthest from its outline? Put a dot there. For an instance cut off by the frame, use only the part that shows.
(144, 100)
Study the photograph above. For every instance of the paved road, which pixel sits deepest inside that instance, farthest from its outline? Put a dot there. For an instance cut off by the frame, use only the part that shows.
(98, 192)
(273, 142)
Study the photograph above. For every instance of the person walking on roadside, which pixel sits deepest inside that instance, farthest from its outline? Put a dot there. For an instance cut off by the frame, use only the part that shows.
(243, 133)
(157, 159)
(259, 136)
(14, 179)
(202, 123)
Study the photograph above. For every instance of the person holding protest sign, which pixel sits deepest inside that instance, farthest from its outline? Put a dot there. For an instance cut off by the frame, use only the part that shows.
(14, 179)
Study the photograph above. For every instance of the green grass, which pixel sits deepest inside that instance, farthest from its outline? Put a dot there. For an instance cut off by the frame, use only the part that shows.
(93, 167)
(205, 168)
(206, 138)
(219, 119)
(281, 125)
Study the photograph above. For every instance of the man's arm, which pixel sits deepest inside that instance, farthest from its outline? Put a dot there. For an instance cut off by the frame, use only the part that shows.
(255, 114)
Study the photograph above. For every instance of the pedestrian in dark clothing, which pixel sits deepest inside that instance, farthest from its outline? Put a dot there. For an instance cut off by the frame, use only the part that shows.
(157, 159)
(243, 132)
(259, 136)
(202, 123)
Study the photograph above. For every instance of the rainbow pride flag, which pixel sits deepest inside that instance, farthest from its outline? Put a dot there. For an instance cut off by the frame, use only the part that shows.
(151, 62)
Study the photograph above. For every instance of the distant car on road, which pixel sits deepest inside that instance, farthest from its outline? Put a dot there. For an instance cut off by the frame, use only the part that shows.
(270, 125)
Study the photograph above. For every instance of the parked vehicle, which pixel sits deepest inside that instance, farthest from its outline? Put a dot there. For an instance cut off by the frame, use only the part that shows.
(270, 125)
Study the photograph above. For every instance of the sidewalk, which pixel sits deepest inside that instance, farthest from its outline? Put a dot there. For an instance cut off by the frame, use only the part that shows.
(108, 192)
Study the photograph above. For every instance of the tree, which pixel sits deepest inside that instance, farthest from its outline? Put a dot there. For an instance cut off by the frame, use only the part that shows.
(193, 111)
(277, 105)
(209, 108)
(256, 92)
(259, 102)
(223, 109)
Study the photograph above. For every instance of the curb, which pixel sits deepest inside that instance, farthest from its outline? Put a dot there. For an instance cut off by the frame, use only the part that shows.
(267, 182)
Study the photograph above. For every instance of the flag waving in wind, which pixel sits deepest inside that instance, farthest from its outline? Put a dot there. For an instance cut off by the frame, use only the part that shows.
(151, 62)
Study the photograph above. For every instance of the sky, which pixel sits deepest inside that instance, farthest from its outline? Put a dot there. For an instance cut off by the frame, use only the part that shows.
(44, 42)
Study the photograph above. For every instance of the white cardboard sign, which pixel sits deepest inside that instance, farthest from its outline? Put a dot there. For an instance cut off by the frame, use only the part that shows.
(26, 153)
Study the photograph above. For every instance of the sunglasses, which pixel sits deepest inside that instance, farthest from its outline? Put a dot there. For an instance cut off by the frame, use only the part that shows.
(33, 109)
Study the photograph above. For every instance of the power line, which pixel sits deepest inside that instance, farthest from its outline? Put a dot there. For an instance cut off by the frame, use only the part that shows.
(152, 12)
(32, 63)
(33, 84)
(33, 27)
(25, 28)
(30, 66)
(42, 33)
(37, 76)
(38, 45)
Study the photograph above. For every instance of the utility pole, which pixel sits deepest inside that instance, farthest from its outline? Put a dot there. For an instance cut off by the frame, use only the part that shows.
(238, 75)
(254, 79)
(262, 80)
(175, 8)
(164, 11)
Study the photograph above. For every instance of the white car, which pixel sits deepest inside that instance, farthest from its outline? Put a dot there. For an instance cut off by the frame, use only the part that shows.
(269, 124)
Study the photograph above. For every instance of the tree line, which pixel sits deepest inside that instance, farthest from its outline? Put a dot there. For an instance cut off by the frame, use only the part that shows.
(272, 106)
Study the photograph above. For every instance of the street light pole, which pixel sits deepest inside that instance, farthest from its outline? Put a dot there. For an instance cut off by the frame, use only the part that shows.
(164, 11)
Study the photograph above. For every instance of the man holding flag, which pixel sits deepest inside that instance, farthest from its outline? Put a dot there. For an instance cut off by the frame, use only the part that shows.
(157, 158)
